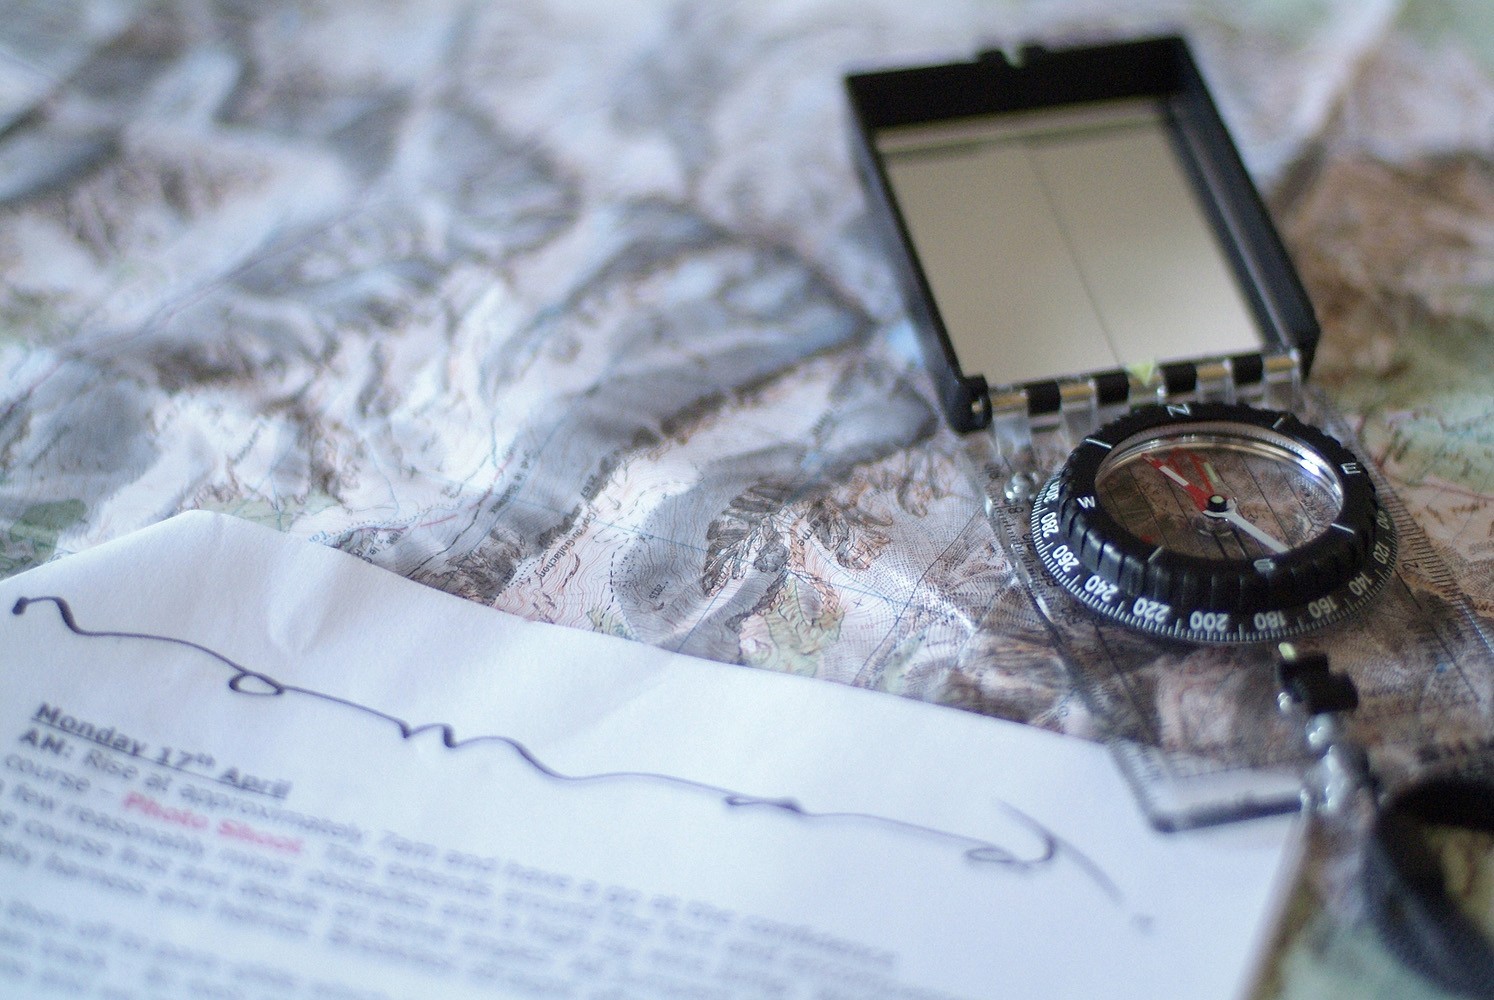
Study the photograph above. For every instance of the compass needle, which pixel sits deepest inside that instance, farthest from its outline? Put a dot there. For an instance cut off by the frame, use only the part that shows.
(1198, 495)
(1231, 515)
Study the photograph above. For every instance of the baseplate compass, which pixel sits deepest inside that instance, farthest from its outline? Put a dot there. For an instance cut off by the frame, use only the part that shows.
(1114, 326)
(1214, 522)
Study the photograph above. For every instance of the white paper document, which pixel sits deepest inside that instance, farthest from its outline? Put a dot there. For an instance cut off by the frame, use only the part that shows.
(241, 765)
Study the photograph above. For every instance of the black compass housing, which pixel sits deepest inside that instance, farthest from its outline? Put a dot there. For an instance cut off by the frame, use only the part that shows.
(1093, 555)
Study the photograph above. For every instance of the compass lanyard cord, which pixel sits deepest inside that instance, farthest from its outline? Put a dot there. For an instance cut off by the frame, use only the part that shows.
(1406, 892)
(1404, 886)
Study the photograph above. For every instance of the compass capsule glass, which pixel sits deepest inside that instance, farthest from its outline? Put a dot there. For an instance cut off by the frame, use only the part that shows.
(1220, 491)
(1216, 523)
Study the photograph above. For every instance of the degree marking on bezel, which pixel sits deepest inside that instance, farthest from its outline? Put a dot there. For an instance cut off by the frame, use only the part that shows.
(1096, 441)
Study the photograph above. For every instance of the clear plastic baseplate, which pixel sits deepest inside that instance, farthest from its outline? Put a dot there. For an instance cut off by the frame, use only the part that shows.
(1197, 729)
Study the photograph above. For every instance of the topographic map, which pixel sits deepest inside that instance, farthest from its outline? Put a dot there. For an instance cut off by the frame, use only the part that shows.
(574, 309)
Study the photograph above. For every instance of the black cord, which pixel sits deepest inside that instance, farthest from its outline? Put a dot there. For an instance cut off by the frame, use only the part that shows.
(1406, 889)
